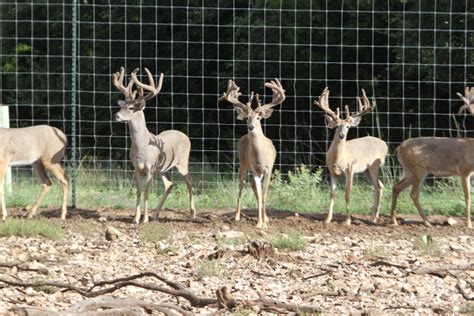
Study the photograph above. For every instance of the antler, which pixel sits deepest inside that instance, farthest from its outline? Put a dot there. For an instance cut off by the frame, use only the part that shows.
(150, 87)
(278, 94)
(323, 103)
(117, 80)
(232, 96)
(364, 106)
(468, 100)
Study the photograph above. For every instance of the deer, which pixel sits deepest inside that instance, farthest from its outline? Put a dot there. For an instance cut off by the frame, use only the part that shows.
(43, 148)
(151, 153)
(365, 154)
(256, 151)
(439, 156)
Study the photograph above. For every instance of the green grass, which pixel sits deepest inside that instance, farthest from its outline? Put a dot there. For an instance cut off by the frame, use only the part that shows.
(292, 241)
(303, 191)
(210, 268)
(31, 228)
(155, 231)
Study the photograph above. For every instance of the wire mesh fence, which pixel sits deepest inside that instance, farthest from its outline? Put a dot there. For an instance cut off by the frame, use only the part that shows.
(57, 59)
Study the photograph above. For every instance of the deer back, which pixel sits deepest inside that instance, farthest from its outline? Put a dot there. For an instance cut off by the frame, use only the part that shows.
(168, 149)
(23, 146)
(437, 155)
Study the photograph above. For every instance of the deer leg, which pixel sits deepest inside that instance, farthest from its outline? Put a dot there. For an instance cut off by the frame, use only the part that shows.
(415, 194)
(59, 173)
(397, 189)
(3, 169)
(466, 185)
(138, 184)
(146, 194)
(258, 184)
(189, 184)
(332, 197)
(266, 184)
(349, 177)
(40, 171)
(168, 186)
(372, 175)
(243, 173)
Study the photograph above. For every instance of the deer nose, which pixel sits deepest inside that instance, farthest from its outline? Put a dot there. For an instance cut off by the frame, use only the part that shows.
(341, 136)
(251, 127)
(117, 117)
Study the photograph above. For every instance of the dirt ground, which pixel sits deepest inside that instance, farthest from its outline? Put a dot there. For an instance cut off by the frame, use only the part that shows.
(361, 269)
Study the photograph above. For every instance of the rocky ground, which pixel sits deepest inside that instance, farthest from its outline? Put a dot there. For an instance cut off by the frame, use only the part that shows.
(352, 270)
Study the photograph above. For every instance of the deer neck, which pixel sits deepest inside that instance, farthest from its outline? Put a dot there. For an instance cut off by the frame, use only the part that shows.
(139, 133)
(256, 136)
(338, 146)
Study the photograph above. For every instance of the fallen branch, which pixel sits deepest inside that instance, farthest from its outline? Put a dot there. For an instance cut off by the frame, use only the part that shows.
(23, 267)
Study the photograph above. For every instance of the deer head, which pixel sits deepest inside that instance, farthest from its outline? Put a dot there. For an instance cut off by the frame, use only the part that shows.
(334, 120)
(135, 101)
(245, 111)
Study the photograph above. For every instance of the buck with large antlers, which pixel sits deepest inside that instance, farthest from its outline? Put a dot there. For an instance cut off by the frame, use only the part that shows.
(365, 154)
(256, 151)
(43, 148)
(441, 157)
(151, 153)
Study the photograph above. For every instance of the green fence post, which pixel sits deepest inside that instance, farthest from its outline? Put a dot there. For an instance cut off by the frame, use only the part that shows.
(73, 101)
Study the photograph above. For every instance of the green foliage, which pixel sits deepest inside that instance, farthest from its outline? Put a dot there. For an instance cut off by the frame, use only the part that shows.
(427, 246)
(292, 241)
(211, 268)
(31, 228)
(155, 231)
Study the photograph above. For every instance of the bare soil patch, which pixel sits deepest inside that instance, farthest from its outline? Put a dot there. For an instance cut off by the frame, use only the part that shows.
(358, 269)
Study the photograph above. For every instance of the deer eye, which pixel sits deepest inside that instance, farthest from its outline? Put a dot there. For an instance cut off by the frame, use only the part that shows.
(130, 108)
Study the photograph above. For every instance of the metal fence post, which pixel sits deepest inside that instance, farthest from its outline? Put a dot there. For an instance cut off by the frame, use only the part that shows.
(73, 101)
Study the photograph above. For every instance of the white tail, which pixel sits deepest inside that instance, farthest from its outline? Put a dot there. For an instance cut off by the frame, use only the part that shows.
(365, 154)
(256, 151)
(442, 157)
(151, 153)
(43, 148)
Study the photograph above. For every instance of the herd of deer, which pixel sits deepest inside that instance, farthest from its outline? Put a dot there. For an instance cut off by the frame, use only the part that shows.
(43, 147)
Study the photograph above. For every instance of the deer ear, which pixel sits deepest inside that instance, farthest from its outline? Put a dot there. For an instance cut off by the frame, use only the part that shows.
(139, 105)
(330, 122)
(266, 113)
(121, 103)
(241, 114)
(355, 121)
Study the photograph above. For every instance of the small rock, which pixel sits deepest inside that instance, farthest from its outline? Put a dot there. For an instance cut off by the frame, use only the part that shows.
(112, 234)
(225, 227)
(102, 219)
(451, 221)
(367, 288)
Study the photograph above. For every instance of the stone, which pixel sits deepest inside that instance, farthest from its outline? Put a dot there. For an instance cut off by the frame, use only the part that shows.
(451, 221)
(112, 234)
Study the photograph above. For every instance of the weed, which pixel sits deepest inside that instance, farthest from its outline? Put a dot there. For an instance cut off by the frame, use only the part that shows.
(292, 241)
(210, 268)
(30, 228)
(243, 311)
(427, 246)
(167, 250)
(155, 232)
(374, 253)
(86, 229)
(47, 289)
(467, 309)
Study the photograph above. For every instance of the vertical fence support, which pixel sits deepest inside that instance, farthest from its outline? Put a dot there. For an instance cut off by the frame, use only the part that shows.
(73, 102)
(5, 122)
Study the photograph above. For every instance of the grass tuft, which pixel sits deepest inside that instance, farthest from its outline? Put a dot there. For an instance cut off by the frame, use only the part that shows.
(427, 246)
(210, 268)
(31, 228)
(155, 232)
(292, 241)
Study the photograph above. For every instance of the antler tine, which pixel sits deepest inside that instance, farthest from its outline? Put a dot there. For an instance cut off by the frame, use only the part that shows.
(468, 99)
(323, 103)
(232, 95)
(278, 93)
(365, 106)
(117, 80)
(150, 87)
